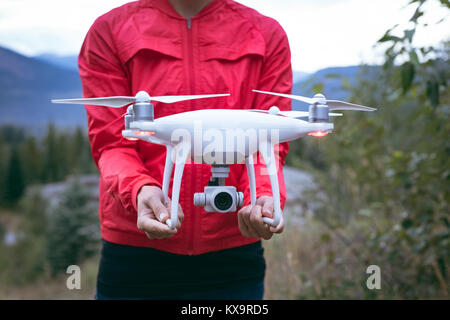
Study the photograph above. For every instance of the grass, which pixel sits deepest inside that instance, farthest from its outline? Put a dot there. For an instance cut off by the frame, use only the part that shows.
(296, 268)
(307, 261)
(55, 288)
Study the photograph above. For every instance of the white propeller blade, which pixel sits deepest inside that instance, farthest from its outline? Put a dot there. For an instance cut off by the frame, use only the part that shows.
(295, 114)
(114, 102)
(172, 99)
(142, 96)
(341, 105)
(290, 96)
(332, 104)
(303, 114)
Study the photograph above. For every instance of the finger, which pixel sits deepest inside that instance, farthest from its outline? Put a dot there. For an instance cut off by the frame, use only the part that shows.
(267, 208)
(180, 217)
(180, 213)
(252, 221)
(242, 225)
(261, 200)
(245, 215)
(258, 224)
(279, 228)
(247, 220)
(153, 228)
(159, 209)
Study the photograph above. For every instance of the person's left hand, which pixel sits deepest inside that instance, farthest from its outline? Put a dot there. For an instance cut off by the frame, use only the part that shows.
(250, 219)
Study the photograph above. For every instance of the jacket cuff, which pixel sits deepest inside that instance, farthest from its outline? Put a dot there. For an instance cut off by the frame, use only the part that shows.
(137, 187)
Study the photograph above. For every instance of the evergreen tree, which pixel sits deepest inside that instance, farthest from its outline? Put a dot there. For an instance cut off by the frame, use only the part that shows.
(51, 165)
(15, 184)
(72, 232)
(32, 160)
(2, 170)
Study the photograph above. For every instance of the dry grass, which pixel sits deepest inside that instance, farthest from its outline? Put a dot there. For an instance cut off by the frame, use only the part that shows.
(55, 289)
(307, 261)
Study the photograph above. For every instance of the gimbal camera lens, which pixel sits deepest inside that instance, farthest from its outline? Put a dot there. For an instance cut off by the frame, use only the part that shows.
(223, 201)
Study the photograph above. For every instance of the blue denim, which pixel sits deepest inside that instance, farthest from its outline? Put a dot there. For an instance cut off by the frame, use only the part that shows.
(251, 291)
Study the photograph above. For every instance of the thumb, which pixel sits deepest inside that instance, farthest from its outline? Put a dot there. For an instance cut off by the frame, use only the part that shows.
(160, 211)
(267, 208)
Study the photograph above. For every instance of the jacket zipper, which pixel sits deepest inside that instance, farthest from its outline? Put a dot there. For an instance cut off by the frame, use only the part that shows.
(190, 49)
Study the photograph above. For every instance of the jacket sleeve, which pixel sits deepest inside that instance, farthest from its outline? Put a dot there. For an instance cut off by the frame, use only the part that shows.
(276, 76)
(121, 167)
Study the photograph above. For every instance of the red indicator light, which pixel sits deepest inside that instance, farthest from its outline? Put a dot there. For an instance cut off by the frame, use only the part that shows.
(131, 138)
(144, 133)
(318, 134)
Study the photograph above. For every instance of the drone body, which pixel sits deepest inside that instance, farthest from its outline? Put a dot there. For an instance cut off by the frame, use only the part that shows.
(220, 137)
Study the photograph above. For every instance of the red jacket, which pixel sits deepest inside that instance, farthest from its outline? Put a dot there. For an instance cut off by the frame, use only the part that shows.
(147, 45)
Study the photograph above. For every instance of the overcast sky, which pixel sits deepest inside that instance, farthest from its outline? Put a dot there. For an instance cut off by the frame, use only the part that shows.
(321, 33)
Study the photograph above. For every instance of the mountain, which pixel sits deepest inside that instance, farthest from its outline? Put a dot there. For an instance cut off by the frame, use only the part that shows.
(299, 76)
(28, 84)
(330, 82)
(66, 62)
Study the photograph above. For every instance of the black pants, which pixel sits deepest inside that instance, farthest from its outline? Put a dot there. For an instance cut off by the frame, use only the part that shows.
(127, 272)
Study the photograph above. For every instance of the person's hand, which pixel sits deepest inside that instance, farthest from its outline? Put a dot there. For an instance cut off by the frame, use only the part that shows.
(153, 213)
(250, 219)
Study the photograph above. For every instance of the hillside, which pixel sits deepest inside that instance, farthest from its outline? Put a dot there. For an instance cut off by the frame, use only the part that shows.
(28, 85)
(331, 80)
(67, 62)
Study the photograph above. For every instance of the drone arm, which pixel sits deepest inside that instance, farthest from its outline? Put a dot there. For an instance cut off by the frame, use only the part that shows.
(268, 153)
(182, 152)
(251, 178)
(168, 167)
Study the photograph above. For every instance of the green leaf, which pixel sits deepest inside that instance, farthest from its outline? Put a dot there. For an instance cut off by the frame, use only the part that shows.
(325, 237)
(407, 223)
(417, 14)
(407, 76)
(433, 92)
(409, 34)
(445, 3)
(388, 37)
(413, 57)
(365, 212)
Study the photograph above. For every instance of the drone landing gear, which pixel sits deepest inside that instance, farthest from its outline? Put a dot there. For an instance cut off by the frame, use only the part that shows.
(216, 196)
(182, 151)
(267, 151)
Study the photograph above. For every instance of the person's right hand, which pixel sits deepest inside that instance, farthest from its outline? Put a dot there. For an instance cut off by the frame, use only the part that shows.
(153, 213)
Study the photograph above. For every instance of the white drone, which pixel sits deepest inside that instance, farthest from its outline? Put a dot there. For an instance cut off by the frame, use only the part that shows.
(220, 137)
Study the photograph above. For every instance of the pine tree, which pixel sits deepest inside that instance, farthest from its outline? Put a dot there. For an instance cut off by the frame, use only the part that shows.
(32, 160)
(15, 184)
(51, 165)
(2, 171)
(73, 231)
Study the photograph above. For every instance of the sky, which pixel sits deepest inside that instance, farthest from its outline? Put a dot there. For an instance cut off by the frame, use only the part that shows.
(321, 33)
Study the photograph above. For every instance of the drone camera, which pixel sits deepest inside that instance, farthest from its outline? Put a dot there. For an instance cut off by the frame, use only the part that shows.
(219, 199)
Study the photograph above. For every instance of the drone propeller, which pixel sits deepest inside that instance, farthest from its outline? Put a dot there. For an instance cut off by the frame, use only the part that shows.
(320, 99)
(141, 96)
(293, 114)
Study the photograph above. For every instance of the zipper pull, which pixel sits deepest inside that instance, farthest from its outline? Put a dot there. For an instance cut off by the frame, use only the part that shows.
(188, 23)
